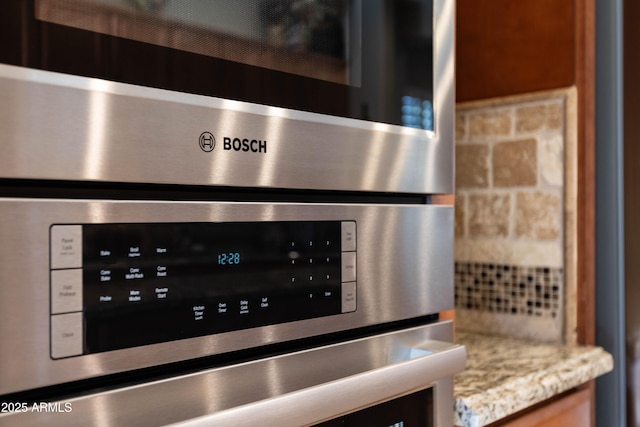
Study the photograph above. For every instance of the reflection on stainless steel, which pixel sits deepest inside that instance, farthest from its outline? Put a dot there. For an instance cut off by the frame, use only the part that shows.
(270, 167)
(404, 252)
(444, 75)
(219, 167)
(374, 155)
(307, 37)
(319, 384)
(97, 139)
(97, 408)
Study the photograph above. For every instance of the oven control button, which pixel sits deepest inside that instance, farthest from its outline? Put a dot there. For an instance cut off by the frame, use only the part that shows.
(348, 297)
(66, 291)
(66, 335)
(348, 236)
(348, 266)
(66, 246)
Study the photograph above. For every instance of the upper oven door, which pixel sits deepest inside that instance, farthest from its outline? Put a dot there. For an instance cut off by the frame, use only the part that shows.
(315, 94)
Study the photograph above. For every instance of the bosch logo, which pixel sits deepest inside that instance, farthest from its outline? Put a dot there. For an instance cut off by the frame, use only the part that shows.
(207, 142)
(244, 144)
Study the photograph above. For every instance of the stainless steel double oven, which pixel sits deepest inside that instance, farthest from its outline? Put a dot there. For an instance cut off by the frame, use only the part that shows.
(223, 212)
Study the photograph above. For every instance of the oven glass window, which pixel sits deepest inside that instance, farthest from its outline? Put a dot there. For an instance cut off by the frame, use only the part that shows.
(317, 39)
(368, 60)
(414, 410)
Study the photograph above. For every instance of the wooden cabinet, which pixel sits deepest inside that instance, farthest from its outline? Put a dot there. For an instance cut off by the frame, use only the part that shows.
(506, 47)
(574, 409)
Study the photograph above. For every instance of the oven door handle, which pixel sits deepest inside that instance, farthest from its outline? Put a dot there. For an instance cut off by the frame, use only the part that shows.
(293, 389)
(407, 369)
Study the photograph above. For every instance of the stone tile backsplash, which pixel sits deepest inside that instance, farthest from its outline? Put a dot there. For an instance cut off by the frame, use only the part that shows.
(509, 289)
(515, 163)
(513, 203)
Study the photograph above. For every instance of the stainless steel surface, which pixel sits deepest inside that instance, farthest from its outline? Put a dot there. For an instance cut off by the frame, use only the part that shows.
(57, 126)
(405, 269)
(617, 206)
(75, 129)
(292, 390)
(613, 327)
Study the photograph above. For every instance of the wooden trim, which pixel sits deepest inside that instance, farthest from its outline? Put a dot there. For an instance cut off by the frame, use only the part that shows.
(443, 199)
(585, 82)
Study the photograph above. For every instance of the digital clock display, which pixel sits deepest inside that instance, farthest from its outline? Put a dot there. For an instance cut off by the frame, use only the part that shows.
(151, 283)
(229, 258)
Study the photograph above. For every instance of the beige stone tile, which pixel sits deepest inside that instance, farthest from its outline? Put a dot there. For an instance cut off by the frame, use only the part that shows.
(460, 216)
(495, 123)
(472, 166)
(489, 215)
(539, 117)
(518, 326)
(461, 127)
(515, 163)
(517, 252)
(538, 216)
(552, 160)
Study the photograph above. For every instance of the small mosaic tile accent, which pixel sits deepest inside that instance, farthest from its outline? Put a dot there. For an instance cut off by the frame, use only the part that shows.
(511, 289)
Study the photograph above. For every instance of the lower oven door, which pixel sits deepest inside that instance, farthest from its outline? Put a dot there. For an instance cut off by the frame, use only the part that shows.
(401, 378)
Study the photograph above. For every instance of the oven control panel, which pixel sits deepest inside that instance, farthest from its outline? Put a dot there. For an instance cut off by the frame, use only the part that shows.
(116, 286)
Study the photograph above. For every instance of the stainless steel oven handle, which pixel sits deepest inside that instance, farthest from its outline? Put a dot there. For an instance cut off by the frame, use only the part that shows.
(426, 365)
(292, 389)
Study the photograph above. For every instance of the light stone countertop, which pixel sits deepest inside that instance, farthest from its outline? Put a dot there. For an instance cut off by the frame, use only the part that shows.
(506, 375)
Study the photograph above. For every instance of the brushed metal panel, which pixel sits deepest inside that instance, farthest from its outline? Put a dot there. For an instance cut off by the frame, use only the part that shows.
(296, 389)
(57, 126)
(405, 269)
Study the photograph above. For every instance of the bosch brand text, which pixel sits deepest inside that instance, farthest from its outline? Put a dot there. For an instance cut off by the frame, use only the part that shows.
(246, 145)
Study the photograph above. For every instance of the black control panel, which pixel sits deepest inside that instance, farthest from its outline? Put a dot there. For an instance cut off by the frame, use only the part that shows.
(116, 286)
